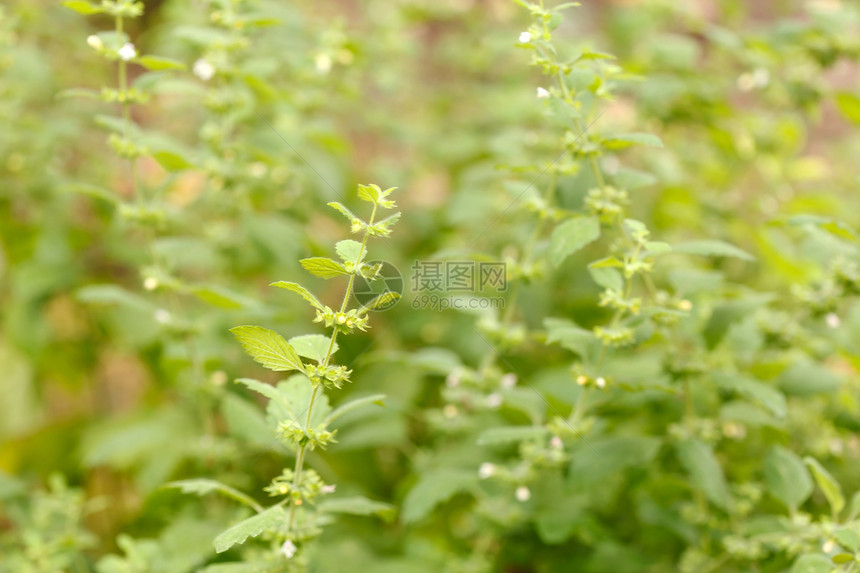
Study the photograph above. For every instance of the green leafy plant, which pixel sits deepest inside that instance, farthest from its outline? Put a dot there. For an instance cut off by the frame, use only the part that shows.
(299, 405)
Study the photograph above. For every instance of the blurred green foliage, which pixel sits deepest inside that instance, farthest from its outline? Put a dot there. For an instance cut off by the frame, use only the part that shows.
(672, 384)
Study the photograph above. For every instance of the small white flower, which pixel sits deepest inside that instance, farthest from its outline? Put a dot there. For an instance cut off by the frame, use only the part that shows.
(289, 549)
(453, 379)
(494, 400)
(509, 380)
(450, 410)
(832, 320)
(203, 69)
(328, 488)
(95, 42)
(486, 470)
(828, 546)
(600, 382)
(323, 63)
(258, 169)
(542, 93)
(162, 316)
(150, 283)
(127, 52)
(523, 493)
(556, 443)
(582, 379)
(685, 305)
(525, 38)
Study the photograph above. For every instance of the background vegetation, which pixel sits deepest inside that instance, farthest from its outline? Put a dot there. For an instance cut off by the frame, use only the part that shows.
(671, 386)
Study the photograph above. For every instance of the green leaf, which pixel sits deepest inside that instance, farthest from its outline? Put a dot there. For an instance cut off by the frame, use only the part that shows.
(848, 537)
(203, 486)
(323, 267)
(294, 398)
(113, 294)
(267, 390)
(433, 488)
(369, 193)
(354, 405)
(93, 191)
(813, 563)
(701, 463)
(598, 459)
(222, 297)
(841, 558)
(622, 140)
(510, 434)
(350, 251)
(82, 7)
(767, 396)
(350, 216)
(158, 63)
(313, 346)
(568, 334)
(301, 291)
(849, 105)
(385, 299)
(854, 506)
(728, 313)
(787, 478)
(270, 519)
(78, 92)
(828, 484)
(357, 505)
(572, 235)
(606, 277)
(246, 422)
(171, 160)
(806, 377)
(268, 348)
(712, 248)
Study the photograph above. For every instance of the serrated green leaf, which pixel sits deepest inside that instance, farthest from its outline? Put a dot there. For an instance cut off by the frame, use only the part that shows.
(357, 505)
(268, 348)
(371, 193)
(301, 291)
(699, 460)
(384, 300)
(572, 235)
(203, 486)
(323, 267)
(354, 405)
(246, 422)
(313, 346)
(343, 210)
(712, 248)
(350, 251)
(272, 518)
(294, 398)
(510, 434)
(787, 478)
(827, 483)
(433, 488)
(158, 63)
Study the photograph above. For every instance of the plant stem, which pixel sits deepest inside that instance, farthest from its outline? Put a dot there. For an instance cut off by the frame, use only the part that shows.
(300, 455)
